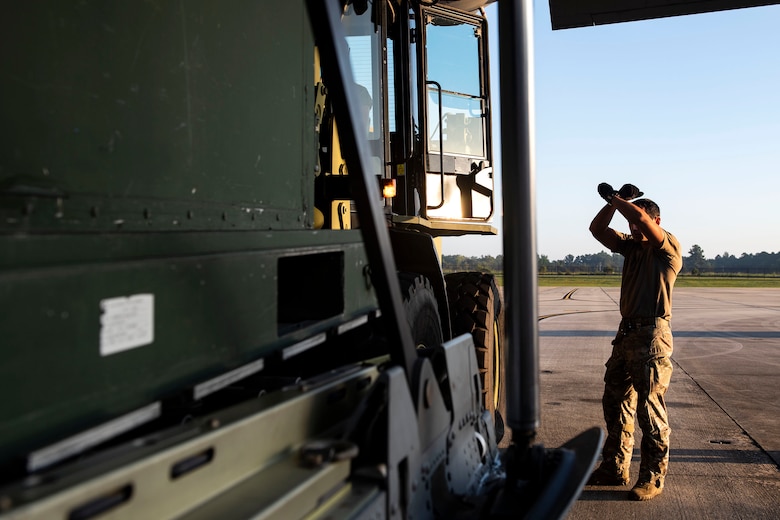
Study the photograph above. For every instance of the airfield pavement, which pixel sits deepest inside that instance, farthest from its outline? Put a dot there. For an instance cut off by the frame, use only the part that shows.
(723, 400)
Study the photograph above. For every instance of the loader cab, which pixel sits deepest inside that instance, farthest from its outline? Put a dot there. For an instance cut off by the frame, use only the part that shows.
(441, 142)
(421, 79)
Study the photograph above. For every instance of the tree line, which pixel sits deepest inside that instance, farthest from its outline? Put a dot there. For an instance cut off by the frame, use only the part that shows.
(696, 263)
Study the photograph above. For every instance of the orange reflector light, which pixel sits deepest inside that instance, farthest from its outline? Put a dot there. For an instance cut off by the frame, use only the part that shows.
(388, 188)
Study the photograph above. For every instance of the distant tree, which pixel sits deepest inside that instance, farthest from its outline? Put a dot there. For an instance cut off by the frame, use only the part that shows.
(696, 252)
(485, 263)
(543, 263)
(604, 262)
(696, 260)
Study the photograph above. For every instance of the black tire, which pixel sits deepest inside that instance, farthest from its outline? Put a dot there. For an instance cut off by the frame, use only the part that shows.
(422, 310)
(475, 308)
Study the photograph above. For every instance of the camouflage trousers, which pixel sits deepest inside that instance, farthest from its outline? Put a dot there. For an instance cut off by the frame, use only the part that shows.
(637, 377)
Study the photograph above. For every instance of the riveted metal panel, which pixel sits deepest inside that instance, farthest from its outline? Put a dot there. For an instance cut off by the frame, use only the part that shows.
(172, 115)
(161, 164)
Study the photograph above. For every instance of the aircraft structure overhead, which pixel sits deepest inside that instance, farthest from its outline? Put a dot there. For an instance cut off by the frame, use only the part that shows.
(568, 14)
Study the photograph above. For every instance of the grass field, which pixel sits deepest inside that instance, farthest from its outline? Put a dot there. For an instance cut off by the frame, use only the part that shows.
(682, 281)
(588, 280)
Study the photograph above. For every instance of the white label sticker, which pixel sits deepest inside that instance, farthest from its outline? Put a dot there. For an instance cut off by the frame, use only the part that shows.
(127, 322)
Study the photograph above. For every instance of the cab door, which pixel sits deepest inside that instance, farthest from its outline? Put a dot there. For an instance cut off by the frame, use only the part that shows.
(455, 106)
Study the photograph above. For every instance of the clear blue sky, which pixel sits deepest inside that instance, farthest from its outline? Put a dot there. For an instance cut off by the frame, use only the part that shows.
(686, 108)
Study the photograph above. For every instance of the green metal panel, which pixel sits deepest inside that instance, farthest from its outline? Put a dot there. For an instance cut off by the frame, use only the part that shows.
(211, 312)
(165, 150)
(138, 115)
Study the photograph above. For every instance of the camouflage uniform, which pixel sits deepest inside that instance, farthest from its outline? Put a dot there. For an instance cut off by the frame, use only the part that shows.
(639, 369)
(636, 380)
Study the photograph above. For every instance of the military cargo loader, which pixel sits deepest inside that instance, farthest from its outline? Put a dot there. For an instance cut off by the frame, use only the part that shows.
(220, 281)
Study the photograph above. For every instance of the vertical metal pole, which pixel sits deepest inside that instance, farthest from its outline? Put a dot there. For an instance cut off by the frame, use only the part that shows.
(520, 270)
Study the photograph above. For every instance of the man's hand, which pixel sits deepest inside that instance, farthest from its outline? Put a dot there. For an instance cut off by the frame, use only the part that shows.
(628, 192)
(607, 192)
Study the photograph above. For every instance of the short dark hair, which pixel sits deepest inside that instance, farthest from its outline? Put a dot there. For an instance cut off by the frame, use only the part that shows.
(650, 207)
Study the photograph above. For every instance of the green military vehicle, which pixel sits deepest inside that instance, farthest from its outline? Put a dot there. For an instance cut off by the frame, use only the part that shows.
(220, 284)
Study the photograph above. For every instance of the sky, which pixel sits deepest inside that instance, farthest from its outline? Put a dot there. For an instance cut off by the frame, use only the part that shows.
(686, 108)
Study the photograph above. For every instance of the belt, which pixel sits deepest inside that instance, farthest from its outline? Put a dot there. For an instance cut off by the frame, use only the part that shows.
(636, 323)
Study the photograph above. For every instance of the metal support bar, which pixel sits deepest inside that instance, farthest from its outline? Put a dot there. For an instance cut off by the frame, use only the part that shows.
(441, 145)
(520, 284)
(325, 16)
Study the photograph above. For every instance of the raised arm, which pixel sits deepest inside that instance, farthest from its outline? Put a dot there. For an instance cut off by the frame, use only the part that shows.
(644, 227)
(600, 229)
(638, 219)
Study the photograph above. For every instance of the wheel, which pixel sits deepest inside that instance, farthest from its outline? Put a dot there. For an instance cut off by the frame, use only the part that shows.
(422, 310)
(475, 308)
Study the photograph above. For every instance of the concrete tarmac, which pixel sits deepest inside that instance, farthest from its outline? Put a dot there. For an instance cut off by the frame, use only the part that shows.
(723, 401)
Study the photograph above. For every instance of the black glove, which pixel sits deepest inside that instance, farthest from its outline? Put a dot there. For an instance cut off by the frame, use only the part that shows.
(607, 192)
(629, 191)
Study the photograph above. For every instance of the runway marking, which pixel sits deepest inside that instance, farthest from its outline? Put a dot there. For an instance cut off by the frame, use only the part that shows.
(567, 296)
(570, 313)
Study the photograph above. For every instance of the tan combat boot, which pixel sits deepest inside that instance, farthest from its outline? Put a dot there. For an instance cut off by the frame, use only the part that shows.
(647, 490)
(608, 475)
